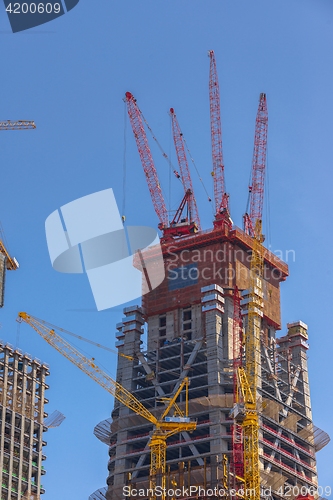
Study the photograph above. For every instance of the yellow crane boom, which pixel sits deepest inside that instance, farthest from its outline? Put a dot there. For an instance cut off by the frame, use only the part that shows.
(11, 262)
(164, 427)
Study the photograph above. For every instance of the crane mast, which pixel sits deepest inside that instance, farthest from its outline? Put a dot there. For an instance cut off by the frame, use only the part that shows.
(220, 195)
(155, 190)
(184, 170)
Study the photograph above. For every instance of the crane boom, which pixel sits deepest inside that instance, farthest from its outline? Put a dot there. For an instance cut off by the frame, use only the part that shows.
(88, 366)
(155, 190)
(184, 168)
(256, 190)
(17, 125)
(220, 195)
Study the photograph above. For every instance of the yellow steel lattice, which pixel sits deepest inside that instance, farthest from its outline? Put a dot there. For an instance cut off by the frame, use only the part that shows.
(252, 356)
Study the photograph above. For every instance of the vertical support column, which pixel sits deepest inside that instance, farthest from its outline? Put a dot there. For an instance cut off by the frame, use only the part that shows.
(2, 438)
(4, 369)
(10, 395)
(212, 301)
(252, 302)
(228, 322)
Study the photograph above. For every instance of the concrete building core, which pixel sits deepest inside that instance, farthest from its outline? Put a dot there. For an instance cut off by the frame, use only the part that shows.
(190, 320)
(22, 399)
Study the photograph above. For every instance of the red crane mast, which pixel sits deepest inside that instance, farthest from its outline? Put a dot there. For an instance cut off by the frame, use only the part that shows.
(256, 190)
(220, 195)
(184, 170)
(134, 114)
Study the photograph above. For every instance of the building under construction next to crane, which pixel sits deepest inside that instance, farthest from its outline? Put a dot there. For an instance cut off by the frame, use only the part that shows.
(22, 399)
(214, 321)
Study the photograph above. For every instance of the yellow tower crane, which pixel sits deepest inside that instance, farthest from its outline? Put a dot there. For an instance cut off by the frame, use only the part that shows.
(164, 426)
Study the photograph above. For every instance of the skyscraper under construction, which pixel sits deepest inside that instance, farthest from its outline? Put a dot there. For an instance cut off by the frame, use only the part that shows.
(191, 326)
(213, 322)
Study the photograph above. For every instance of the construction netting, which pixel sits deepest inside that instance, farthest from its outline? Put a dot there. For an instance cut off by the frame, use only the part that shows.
(321, 438)
(98, 495)
(103, 431)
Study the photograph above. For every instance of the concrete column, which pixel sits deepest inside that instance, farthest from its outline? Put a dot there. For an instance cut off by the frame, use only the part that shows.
(298, 336)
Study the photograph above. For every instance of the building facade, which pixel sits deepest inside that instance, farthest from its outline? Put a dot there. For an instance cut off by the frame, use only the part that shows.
(22, 399)
(190, 333)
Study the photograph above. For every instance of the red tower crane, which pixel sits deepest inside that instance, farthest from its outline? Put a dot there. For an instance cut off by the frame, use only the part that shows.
(220, 195)
(179, 226)
(184, 171)
(134, 114)
(256, 189)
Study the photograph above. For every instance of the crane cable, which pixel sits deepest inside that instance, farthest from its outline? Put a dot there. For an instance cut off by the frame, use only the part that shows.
(197, 170)
(2, 235)
(80, 350)
(79, 337)
(268, 205)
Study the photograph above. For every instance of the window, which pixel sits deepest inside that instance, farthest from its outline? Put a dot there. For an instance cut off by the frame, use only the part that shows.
(187, 322)
(187, 314)
(162, 326)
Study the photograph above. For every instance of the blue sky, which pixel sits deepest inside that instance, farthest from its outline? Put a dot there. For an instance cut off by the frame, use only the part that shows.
(70, 76)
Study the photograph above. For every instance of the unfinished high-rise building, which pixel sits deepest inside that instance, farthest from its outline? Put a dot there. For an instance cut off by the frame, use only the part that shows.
(190, 328)
(22, 399)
